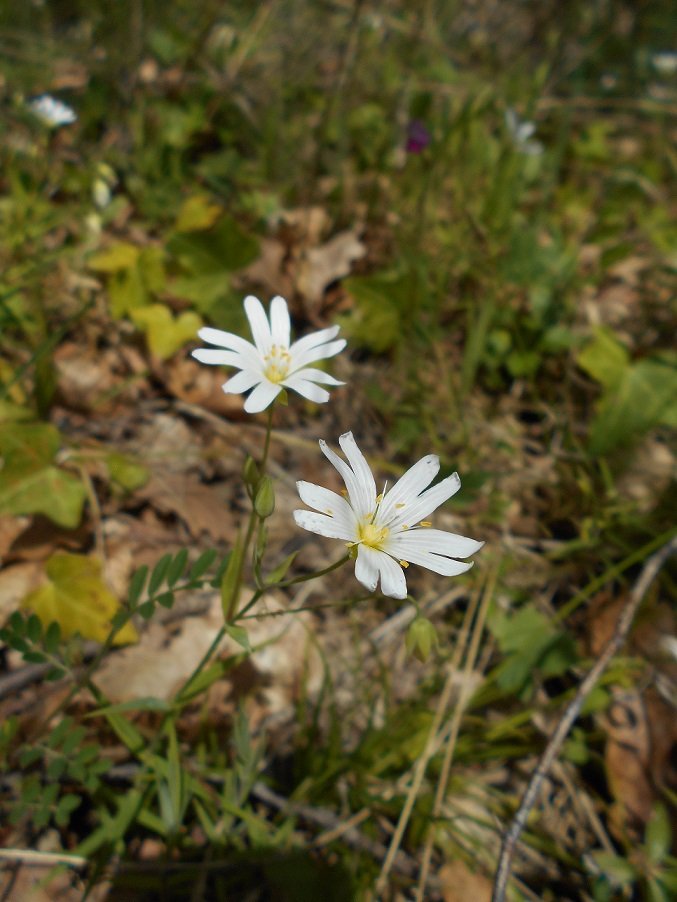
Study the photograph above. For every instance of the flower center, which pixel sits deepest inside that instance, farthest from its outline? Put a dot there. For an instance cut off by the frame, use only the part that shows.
(277, 362)
(373, 535)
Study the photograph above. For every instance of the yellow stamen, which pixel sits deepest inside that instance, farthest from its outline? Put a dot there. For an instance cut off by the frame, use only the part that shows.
(277, 364)
(373, 536)
(425, 523)
(400, 504)
(404, 564)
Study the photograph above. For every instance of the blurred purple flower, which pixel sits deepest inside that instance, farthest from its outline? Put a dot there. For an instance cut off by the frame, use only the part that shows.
(418, 137)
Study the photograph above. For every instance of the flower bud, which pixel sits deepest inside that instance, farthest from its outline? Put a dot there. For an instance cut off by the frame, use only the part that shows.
(421, 638)
(264, 502)
(251, 475)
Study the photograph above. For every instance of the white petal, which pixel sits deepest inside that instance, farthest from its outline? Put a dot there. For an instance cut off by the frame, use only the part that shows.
(362, 471)
(327, 502)
(217, 357)
(355, 491)
(393, 583)
(435, 562)
(314, 375)
(436, 541)
(228, 340)
(366, 567)
(313, 340)
(258, 323)
(279, 321)
(316, 352)
(263, 395)
(407, 488)
(323, 525)
(241, 382)
(430, 500)
(307, 389)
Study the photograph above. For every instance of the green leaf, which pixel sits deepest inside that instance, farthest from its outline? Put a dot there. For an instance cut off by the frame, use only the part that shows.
(619, 870)
(239, 634)
(48, 491)
(202, 564)
(77, 599)
(605, 359)
(231, 580)
(114, 259)
(159, 573)
(197, 213)
(645, 396)
(165, 332)
(225, 247)
(376, 321)
(137, 704)
(136, 584)
(658, 835)
(279, 573)
(127, 291)
(176, 568)
(126, 471)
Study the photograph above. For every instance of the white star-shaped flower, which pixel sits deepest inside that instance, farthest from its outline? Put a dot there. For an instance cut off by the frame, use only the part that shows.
(271, 363)
(520, 132)
(388, 531)
(51, 111)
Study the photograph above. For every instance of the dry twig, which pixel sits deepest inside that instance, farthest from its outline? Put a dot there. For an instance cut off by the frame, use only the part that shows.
(646, 577)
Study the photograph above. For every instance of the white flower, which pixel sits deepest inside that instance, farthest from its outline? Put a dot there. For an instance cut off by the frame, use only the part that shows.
(51, 111)
(520, 133)
(271, 363)
(388, 531)
(665, 62)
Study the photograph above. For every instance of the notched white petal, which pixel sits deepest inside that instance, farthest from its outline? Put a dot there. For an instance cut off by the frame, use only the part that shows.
(330, 527)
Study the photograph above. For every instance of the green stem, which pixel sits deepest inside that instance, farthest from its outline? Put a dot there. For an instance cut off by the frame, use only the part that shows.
(231, 613)
(290, 582)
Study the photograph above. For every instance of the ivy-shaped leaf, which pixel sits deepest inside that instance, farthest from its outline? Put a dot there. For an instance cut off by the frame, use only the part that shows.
(78, 600)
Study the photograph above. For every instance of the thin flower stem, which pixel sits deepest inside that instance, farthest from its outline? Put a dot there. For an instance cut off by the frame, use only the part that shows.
(231, 613)
(290, 582)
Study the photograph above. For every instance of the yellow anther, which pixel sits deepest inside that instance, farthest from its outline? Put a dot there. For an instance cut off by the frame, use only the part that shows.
(379, 498)
(404, 564)
(425, 523)
(400, 505)
(344, 492)
(373, 536)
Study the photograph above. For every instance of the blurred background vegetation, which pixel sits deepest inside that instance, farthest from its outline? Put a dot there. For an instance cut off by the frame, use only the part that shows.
(500, 176)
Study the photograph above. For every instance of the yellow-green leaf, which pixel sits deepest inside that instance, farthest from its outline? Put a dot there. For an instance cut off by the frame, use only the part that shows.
(164, 332)
(197, 213)
(115, 258)
(77, 598)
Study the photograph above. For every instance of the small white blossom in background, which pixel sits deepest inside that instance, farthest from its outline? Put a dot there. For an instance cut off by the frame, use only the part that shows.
(665, 62)
(520, 134)
(389, 531)
(52, 112)
(271, 363)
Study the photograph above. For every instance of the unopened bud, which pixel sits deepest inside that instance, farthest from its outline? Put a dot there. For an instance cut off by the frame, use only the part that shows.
(251, 475)
(264, 502)
(421, 638)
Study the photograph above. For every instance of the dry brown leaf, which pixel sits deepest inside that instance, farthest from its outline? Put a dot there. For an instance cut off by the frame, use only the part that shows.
(15, 583)
(320, 266)
(460, 884)
(268, 269)
(10, 529)
(201, 385)
(166, 656)
(168, 442)
(308, 223)
(204, 509)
